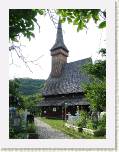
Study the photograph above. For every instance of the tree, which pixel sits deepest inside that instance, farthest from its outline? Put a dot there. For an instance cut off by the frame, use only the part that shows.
(81, 17)
(96, 70)
(22, 21)
(96, 95)
(31, 101)
(14, 87)
(95, 91)
(15, 98)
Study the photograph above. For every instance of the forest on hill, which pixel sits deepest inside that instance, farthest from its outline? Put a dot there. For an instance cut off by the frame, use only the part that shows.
(30, 86)
(25, 93)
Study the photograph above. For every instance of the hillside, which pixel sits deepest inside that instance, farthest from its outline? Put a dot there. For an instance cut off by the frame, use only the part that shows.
(30, 86)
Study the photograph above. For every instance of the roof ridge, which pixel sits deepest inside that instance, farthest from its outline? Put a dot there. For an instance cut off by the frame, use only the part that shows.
(79, 60)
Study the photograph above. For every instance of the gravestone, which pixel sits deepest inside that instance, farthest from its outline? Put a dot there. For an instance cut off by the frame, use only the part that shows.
(73, 119)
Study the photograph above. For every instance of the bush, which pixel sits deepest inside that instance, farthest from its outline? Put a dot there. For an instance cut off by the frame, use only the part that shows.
(101, 128)
(33, 136)
(20, 136)
(102, 122)
(81, 123)
(31, 128)
(100, 132)
(90, 124)
(17, 133)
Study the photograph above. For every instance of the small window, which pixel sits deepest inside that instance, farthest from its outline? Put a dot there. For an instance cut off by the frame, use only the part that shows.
(54, 109)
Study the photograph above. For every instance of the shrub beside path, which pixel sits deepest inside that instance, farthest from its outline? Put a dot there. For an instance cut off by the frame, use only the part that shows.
(45, 131)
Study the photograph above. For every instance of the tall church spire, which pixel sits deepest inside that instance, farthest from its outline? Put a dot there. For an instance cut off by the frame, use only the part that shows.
(59, 53)
(59, 43)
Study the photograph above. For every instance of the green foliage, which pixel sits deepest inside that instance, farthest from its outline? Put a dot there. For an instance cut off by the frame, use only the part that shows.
(102, 122)
(101, 127)
(31, 128)
(95, 91)
(21, 131)
(30, 86)
(90, 124)
(30, 102)
(22, 21)
(82, 119)
(80, 17)
(100, 132)
(17, 132)
(13, 87)
(96, 70)
(102, 24)
(27, 91)
(60, 125)
(15, 99)
(18, 135)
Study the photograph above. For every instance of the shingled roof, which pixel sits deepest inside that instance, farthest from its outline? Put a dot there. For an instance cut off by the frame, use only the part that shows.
(70, 80)
(60, 101)
(59, 43)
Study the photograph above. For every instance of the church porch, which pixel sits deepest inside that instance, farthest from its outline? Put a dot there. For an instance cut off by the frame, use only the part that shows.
(58, 108)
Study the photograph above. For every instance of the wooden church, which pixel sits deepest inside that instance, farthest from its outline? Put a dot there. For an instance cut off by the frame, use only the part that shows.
(62, 91)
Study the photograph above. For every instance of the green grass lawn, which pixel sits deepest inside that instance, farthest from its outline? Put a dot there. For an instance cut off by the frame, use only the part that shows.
(60, 125)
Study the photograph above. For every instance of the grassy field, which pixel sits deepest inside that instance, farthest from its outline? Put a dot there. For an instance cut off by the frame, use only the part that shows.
(60, 125)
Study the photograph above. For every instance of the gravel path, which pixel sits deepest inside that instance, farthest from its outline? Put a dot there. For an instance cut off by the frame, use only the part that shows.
(45, 131)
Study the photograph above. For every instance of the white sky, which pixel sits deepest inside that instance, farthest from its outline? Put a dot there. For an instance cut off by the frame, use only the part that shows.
(80, 45)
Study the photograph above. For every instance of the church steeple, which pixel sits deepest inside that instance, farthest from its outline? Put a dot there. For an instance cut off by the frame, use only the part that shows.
(59, 43)
(59, 53)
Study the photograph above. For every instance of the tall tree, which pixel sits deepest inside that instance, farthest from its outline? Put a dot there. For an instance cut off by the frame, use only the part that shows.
(15, 98)
(95, 92)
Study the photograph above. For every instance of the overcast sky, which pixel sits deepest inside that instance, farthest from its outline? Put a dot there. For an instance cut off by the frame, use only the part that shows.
(80, 45)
